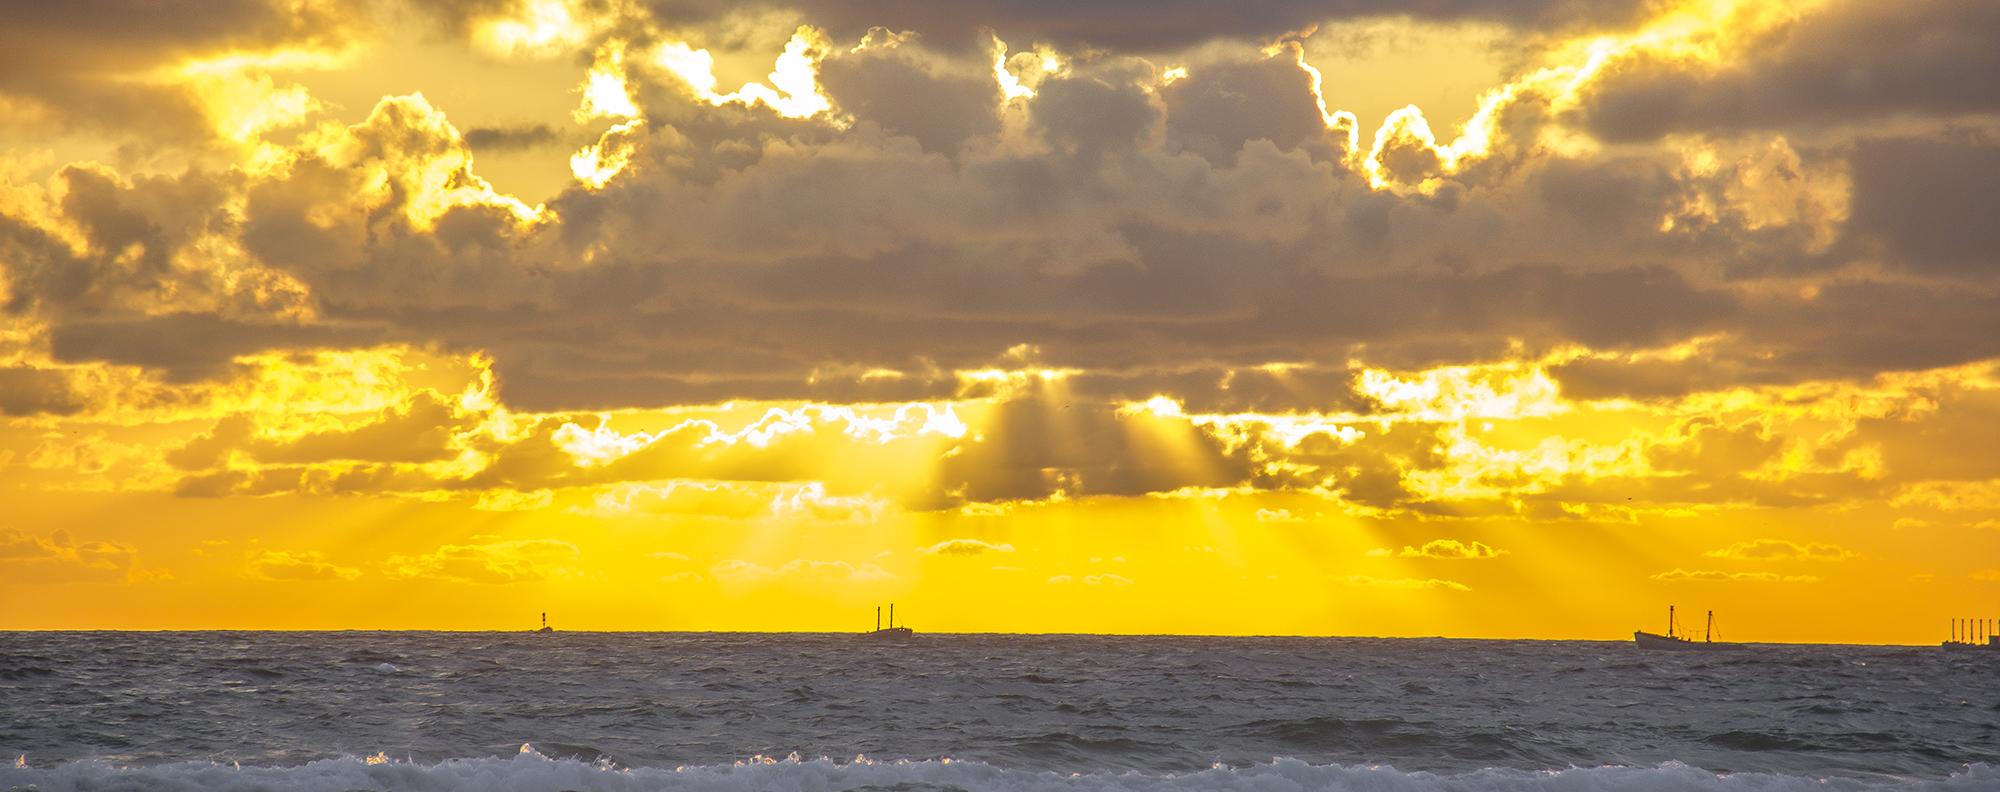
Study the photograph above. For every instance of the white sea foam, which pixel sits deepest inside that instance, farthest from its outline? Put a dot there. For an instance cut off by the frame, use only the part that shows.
(531, 772)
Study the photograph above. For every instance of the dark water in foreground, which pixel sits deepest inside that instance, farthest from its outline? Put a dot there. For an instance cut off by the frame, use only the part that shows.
(623, 711)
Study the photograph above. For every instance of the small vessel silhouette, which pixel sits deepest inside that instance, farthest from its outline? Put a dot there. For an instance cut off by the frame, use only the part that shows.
(1672, 641)
(891, 632)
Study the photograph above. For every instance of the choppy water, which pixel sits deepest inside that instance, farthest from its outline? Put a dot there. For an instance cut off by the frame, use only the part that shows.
(689, 711)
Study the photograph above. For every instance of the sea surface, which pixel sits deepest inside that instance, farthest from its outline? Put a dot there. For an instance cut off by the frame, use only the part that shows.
(645, 711)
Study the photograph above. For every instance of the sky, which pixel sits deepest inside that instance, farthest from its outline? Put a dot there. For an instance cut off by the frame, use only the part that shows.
(1479, 318)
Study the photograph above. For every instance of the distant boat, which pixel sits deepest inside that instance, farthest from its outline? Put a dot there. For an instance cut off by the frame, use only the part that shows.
(545, 623)
(1673, 641)
(891, 632)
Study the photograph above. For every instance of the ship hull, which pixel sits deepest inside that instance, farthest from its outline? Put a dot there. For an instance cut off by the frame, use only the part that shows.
(1646, 640)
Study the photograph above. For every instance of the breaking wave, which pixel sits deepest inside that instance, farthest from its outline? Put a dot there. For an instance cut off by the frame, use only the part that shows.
(533, 772)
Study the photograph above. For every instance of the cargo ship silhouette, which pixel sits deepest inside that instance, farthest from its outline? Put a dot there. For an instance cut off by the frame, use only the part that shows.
(1974, 634)
(1673, 641)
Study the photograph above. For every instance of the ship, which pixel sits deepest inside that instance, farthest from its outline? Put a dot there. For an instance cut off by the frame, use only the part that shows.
(1675, 641)
(1974, 634)
(891, 632)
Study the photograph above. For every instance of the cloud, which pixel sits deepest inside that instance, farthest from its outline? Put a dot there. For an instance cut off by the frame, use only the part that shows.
(1891, 62)
(1987, 575)
(310, 565)
(1116, 25)
(493, 563)
(131, 72)
(1709, 576)
(510, 138)
(26, 390)
(1782, 550)
(966, 547)
(58, 558)
(1452, 548)
(1129, 280)
(907, 93)
(1367, 581)
(1916, 200)
(1104, 580)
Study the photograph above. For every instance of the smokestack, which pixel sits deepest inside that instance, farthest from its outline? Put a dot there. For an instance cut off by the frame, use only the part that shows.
(892, 615)
(878, 617)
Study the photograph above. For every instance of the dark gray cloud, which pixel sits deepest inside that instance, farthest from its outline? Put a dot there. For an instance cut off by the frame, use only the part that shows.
(190, 346)
(1928, 204)
(1142, 25)
(25, 390)
(135, 234)
(1087, 116)
(514, 138)
(907, 96)
(1856, 62)
(1034, 447)
(1223, 105)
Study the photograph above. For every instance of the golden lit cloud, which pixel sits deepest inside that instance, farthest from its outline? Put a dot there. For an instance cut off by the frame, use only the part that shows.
(492, 563)
(1412, 584)
(59, 558)
(1781, 550)
(967, 547)
(306, 566)
(1453, 549)
(1710, 576)
(792, 90)
(407, 155)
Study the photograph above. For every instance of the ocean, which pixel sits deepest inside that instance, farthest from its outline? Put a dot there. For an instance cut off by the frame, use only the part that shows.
(658, 711)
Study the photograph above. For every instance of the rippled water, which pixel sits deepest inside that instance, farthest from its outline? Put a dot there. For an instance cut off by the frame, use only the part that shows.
(181, 710)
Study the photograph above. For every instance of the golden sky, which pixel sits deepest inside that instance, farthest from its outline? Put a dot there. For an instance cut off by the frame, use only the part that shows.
(1504, 319)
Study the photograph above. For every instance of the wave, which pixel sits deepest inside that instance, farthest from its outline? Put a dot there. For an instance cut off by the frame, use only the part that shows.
(532, 772)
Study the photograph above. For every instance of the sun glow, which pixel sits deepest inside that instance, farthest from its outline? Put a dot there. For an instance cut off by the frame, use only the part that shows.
(1019, 74)
(793, 91)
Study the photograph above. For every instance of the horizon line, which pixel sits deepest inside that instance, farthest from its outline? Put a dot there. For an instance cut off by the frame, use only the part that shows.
(532, 631)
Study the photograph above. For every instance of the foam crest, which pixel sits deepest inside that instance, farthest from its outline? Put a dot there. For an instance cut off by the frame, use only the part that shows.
(530, 771)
